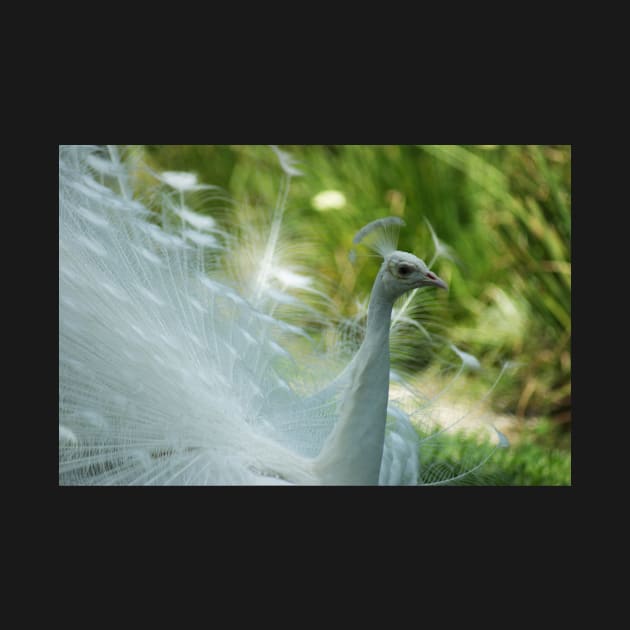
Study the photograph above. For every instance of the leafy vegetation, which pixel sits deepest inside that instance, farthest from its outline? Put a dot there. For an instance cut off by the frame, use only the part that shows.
(537, 459)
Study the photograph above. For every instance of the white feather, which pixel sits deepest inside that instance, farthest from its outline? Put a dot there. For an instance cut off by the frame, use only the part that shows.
(172, 374)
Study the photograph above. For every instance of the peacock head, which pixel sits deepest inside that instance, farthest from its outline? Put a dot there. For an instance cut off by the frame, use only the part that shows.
(402, 272)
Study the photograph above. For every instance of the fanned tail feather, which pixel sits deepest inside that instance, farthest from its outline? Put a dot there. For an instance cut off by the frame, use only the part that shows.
(171, 373)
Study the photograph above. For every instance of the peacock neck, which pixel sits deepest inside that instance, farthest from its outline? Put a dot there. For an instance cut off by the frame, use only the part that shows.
(378, 322)
(353, 451)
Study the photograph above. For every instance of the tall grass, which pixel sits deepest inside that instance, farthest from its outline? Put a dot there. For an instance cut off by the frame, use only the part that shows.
(522, 195)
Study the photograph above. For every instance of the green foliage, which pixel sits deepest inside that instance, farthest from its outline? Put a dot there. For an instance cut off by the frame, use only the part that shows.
(523, 199)
(528, 463)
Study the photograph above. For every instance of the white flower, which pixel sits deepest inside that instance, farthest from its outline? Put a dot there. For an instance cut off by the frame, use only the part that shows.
(329, 200)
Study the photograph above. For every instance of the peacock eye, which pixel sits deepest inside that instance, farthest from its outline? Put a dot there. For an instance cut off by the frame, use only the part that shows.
(404, 270)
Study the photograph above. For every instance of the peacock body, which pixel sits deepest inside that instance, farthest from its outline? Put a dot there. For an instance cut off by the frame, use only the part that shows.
(172, 370)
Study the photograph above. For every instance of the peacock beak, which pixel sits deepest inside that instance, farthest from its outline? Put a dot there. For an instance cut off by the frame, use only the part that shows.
(434, 281)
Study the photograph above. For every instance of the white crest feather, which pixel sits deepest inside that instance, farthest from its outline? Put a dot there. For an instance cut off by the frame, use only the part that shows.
(381, 235)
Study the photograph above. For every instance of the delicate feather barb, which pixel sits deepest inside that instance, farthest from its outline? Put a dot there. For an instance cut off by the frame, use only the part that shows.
(380, 236)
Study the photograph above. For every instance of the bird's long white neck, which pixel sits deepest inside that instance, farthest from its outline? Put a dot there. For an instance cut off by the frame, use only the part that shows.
(352, 453)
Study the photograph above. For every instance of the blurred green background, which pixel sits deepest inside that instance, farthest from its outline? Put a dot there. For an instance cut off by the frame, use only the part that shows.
(505, 213)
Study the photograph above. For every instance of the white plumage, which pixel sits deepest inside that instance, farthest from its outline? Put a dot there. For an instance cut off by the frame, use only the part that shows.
(170, 372)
